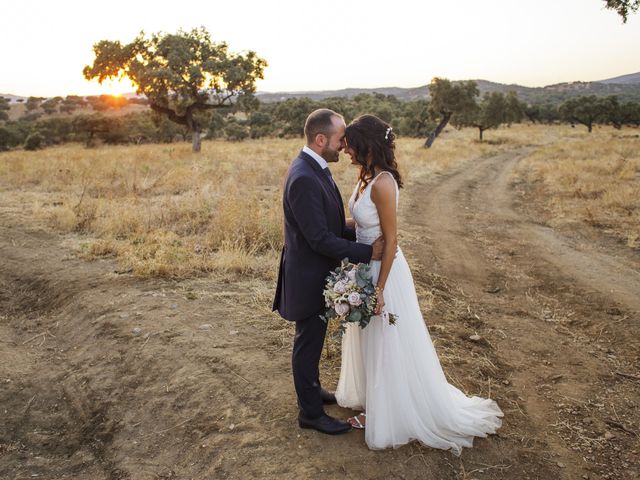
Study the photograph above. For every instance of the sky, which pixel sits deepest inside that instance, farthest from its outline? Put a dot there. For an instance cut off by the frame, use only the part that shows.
(331, 44)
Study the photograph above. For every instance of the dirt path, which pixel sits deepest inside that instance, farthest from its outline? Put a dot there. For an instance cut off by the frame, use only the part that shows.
(560, 311)
(106, 376)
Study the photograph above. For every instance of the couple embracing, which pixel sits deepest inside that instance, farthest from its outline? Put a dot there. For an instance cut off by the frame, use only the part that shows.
(390, 373)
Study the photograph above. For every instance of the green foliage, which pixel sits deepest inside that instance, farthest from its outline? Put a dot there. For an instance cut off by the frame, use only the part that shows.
(345, 106)
(514, 108)
(630, 113)
(409, 118)
(54, 130)
(33, 103)
(8, 139)
(100, 103)
(4, 108)
(216, 125)
(292, 114)
(71, 103)
(94, 127)
(491, 112)
(35, 141)
(378, 104)
(541, 113)
(181, 73)
(50, 106)
(456, 101)
(623, 7)
(236, 131)
(414, 119)
(260, 125)
(31, 116)
(585, 110)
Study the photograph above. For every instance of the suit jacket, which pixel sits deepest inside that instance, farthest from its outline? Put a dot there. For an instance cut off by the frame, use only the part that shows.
(316, 239)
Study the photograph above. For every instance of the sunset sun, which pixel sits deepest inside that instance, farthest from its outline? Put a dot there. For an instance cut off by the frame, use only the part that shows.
(115, 87)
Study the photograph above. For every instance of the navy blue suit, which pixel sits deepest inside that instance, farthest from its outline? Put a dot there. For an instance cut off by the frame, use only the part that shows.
(316, 239)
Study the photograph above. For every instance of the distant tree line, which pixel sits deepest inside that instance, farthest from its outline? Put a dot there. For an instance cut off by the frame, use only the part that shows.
(451, 103)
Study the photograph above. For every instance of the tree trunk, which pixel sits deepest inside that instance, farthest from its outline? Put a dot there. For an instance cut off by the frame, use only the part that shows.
(432, 136)
(481, 130)
(196, 143)
(590, 126)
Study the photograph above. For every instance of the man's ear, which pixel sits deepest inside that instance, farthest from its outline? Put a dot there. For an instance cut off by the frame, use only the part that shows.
(321, 139)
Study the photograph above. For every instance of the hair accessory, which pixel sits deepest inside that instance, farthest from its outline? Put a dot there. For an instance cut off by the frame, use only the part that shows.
(386, 135)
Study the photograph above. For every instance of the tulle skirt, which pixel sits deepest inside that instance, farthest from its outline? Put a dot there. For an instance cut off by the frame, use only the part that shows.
(393, 373)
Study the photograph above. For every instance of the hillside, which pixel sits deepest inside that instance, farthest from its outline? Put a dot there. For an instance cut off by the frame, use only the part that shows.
(627, 88)
(625, 79)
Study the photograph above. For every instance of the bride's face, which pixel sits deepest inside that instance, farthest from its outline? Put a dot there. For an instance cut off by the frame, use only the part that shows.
(352, 154)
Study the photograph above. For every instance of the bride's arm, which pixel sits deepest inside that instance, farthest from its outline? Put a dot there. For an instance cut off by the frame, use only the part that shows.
(383, 195)
(351, 223)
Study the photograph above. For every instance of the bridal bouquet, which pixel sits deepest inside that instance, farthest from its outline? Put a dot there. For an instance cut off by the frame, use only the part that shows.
(350, 296)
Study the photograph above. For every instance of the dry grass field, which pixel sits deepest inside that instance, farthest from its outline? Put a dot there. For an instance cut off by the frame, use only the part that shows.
(593, 179)
(138, 342)
(163, 211)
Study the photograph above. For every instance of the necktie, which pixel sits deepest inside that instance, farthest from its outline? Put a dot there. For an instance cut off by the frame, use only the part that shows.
(328, 172)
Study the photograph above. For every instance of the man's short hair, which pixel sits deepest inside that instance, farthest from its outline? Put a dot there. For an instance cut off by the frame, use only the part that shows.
(319, 121)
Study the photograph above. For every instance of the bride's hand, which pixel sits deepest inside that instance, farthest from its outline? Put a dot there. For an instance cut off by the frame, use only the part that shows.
(379, 304)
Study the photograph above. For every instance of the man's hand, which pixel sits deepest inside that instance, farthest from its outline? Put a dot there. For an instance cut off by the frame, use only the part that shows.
(378, 247)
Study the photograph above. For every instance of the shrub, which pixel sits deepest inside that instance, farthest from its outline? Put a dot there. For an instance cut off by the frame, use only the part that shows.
(35, 141)
(236, 132)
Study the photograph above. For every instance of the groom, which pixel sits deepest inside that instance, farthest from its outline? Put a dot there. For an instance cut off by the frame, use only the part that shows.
(316, 239)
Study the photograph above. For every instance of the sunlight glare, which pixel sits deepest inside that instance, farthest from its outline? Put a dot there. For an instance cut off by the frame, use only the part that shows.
(115, 87)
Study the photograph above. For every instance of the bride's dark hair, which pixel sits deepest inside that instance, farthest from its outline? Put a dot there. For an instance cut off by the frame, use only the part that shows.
(373, 139)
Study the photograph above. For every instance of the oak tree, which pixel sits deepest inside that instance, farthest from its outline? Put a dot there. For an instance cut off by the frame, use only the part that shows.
(180, 73)
(450, 99)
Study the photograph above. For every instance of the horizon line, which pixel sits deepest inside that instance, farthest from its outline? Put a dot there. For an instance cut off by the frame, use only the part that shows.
(299, 92)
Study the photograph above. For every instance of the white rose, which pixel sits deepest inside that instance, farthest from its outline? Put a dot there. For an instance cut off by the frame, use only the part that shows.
(354, 299)
(340, 287)
(341, 308)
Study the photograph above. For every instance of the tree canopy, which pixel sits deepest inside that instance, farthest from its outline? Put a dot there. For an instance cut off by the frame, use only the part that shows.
(623, 7)
(4, 108)
(585, 110)
(449, 99)
(180, 73)
(490, 112)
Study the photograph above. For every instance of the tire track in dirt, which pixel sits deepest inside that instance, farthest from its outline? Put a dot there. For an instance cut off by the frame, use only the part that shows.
(483, 188)
(177, 400)
(547, 294)
(610, 274)
(171, 400)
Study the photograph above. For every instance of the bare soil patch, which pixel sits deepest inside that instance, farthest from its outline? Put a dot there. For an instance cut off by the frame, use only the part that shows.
(108, 376)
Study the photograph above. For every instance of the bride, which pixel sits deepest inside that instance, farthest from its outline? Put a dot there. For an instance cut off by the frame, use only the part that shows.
(392, 371)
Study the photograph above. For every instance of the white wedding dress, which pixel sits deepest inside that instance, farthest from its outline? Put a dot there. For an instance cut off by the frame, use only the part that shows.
(392, 371)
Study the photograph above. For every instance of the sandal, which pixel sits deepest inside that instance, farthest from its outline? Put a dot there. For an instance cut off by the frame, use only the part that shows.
(355, 421)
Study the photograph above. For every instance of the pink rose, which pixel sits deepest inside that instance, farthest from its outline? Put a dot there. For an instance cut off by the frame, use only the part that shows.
(341, 308)
(340, 287)
(354, 299)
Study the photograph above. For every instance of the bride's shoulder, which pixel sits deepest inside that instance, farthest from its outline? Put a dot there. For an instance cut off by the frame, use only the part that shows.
(384, 179)
(384, 186)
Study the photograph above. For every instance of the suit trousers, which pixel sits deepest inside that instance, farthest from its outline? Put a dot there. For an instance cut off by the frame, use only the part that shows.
(305, 362)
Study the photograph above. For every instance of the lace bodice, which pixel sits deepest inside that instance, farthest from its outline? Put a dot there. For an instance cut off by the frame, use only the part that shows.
(365, 213)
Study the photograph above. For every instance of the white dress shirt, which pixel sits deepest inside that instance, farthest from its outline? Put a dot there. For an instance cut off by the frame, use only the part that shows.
(321, 161)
